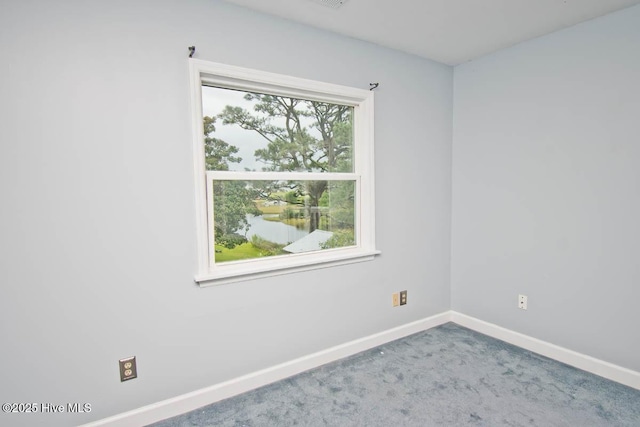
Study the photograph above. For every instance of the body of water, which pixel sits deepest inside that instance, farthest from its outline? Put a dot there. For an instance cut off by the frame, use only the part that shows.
(274, 231)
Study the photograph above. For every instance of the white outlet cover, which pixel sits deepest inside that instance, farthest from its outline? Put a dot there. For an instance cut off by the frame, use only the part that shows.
(522, 302)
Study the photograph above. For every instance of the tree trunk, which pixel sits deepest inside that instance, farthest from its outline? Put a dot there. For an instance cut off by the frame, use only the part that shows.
(315, 190)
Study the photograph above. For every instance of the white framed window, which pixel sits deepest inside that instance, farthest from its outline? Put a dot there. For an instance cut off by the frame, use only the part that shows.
(283, 170)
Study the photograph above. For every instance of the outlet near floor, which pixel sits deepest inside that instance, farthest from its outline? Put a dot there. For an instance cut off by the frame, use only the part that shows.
(399, 298)
(128, 368)
(395, 299)
(522, 302)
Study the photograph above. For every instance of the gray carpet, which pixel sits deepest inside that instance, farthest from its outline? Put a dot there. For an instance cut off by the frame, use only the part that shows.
(446, 376)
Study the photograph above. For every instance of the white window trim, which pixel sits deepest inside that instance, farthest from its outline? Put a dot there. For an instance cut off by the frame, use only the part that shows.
(232, 77)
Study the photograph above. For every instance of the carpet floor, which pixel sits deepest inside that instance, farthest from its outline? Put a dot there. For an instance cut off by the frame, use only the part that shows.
(446, 376)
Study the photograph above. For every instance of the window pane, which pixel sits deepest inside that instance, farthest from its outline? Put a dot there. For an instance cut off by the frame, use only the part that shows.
(256, 132)
(255, 219)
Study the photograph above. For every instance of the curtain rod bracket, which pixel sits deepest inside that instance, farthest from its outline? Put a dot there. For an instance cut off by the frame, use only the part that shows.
(373, 86)
(192, 50)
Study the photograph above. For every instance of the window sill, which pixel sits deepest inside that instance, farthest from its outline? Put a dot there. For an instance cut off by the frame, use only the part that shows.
(225, 276)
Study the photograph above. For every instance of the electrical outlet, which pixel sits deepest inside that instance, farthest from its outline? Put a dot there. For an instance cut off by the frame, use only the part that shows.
(522, 302)
(396, 299)
(403, 298)
(128, 369)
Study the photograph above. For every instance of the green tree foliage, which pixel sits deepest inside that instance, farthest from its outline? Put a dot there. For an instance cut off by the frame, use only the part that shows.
(266, 247)
(217, 153)
(294, 197)
(232, 200)
(340, 239)
(340, 197)
(301, 135)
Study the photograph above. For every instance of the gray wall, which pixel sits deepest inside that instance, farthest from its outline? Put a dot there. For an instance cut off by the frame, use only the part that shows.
(546, 188)
(97, 215)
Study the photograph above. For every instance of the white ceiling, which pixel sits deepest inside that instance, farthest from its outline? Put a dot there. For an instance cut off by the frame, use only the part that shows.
(447, 31)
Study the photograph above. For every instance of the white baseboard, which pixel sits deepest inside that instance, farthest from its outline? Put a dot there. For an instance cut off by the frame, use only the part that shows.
(581, 361)
(190, 401)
